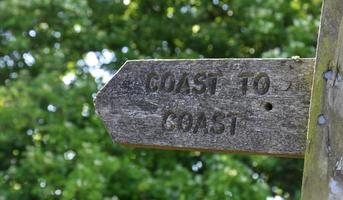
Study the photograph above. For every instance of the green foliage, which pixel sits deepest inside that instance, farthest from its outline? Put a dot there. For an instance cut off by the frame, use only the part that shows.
(52, 144)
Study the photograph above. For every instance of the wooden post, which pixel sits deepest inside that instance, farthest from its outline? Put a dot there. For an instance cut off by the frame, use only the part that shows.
(323, 172)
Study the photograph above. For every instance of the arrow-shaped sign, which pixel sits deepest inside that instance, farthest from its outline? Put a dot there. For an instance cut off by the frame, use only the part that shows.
(230, 105)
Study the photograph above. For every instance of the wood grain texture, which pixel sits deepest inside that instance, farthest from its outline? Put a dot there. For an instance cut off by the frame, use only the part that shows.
(323, 172)
(227, 105)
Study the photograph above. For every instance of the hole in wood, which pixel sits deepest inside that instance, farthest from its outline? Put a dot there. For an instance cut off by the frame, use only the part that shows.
(268, 106)
(321, 119)
(328, 75)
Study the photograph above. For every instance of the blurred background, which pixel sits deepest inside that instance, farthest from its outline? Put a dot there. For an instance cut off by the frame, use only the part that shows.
(56, 54)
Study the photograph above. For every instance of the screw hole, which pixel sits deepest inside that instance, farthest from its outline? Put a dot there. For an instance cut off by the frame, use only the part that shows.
(321, 119)
(328, 75)
(268, 106)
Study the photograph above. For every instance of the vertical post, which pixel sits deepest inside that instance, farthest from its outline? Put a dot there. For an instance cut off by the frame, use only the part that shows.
(323, 171)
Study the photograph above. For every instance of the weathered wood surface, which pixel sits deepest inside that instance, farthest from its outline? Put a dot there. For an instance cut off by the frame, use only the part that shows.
(323, 172)
(230, 105)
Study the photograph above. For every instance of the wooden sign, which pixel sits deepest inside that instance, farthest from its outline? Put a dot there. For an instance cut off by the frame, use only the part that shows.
(231, 105)
(323, 172)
